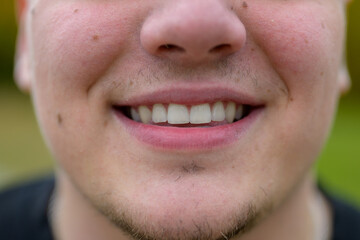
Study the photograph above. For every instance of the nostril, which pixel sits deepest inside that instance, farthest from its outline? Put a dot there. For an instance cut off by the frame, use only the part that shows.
(171, 48)
(220, 48)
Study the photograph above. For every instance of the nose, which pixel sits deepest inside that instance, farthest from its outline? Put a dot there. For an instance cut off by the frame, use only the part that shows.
(193, 31)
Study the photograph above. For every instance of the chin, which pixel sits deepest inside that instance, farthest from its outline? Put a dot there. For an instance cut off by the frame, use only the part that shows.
(190, 210)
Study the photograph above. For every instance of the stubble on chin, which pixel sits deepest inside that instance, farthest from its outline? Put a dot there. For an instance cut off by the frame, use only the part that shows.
(236, 225)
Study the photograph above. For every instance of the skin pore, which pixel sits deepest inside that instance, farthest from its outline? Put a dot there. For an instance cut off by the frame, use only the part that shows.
(119, 179)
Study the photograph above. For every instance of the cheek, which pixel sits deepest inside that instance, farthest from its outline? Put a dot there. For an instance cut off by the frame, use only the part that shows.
(303, 44)
(75, 44)
(303, 41)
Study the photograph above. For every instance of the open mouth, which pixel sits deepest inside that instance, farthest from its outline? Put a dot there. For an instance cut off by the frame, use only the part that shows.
(190, 116)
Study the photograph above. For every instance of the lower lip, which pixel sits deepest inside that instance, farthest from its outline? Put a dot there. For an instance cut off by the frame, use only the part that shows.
(181, 138)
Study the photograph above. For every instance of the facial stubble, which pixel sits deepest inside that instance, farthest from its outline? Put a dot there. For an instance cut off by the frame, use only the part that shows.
(243, 220)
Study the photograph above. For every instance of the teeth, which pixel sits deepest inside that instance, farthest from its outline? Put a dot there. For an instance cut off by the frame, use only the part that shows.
(178, 114)
(218, 112)
(145, 114)
(230, 112)
(135, 115)
(159, 113)
(239, 112)
(200, 114)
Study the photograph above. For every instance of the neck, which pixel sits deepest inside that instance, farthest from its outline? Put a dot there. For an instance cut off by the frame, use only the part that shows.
(304, 215)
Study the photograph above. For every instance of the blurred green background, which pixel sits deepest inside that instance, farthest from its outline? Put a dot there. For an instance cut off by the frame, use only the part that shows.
(23, 154)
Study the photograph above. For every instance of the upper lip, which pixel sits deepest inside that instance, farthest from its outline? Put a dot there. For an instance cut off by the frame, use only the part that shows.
(190, 95)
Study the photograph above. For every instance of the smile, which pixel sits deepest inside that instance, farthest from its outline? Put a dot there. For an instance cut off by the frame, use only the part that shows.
(188, 119)
(179, 115)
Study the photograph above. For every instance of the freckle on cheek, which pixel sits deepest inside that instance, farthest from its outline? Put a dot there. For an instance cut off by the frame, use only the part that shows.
(95, 37)
(244, 4)
(76, 10)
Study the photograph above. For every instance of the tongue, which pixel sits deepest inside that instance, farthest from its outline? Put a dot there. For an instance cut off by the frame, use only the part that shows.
(211, 124)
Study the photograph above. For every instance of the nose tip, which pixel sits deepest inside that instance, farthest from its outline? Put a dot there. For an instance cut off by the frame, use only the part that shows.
(193, 31)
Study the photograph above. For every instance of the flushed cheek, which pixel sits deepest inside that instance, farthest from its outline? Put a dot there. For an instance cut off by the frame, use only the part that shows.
(74, 44)
(302, 41)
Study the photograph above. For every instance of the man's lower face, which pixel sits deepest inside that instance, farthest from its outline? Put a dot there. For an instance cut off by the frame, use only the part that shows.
(186, 191)
(182, 197)
(184, 141)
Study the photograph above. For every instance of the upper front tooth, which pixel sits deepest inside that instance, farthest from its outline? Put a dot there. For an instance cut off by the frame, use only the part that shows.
(145, 114)
(200, 114)
(178, 114)
(218, 112)
(230, 112)
(159, 113)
